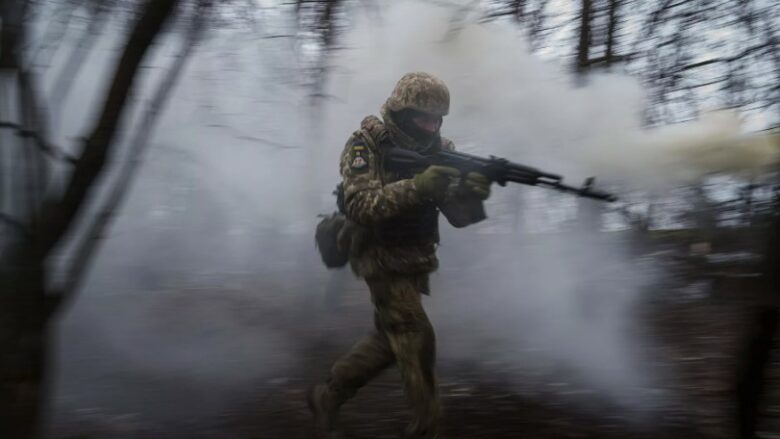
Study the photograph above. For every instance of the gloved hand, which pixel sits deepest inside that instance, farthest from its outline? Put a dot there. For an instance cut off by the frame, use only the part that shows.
(478, 184)
(432, 183)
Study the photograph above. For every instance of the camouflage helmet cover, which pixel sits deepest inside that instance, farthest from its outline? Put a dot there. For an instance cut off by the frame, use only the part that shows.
(422, 92)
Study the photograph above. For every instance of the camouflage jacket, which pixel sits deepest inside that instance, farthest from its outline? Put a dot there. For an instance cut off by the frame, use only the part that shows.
(393, 229)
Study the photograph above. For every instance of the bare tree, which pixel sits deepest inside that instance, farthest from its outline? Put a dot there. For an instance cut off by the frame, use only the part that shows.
(100, 13)
(40, 219)
(128, 168)
(323, 19)
(689, 53)
(585, 39)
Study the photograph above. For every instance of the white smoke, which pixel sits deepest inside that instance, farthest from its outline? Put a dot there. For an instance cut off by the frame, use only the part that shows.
(505, 101)
(508, 102)
(716, 143)
(532, 304)
(241, 164)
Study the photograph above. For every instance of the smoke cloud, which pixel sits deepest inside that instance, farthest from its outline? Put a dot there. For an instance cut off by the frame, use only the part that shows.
(216, 240)
(532, 303)
(716, 143)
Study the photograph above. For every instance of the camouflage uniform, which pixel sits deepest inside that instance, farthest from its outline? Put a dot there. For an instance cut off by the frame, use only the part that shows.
(394, 237)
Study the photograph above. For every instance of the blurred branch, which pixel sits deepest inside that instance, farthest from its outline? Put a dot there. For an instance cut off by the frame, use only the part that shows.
(458, 20)
(138, 146)
(273, 37)
(493, 15)
(585, 36)
(34, 117)
(655, 16)
(55, 35)
(12, 34)
(706, 84)
(607, 60)
(694, 15)
(327, 96)
(62, 86)
(25, 309)
(744, 53)
(519, 9)
(328, 22)
(60, 213)
(16, 224)
(609, 56)
(52, 151)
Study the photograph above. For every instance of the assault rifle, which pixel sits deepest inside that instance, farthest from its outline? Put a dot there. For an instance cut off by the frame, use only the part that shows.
(496, 169)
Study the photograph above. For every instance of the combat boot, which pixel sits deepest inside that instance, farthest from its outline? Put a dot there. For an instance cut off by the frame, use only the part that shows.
(325, 408)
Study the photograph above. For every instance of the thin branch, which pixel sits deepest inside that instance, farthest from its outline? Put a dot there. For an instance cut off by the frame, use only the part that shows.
(52, 151)
(695, 15)
(457, 20)
(614, 19)
(35, 116)
(493, 15)
(730, 59)
(139, 144)
(706, 84)
(60, 213)
(16, 224)
(585, 36)
(75, 60)
(55, 35)
(276, 36)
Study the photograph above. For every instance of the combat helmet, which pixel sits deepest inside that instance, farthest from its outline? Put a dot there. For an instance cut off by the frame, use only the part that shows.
(422, 92)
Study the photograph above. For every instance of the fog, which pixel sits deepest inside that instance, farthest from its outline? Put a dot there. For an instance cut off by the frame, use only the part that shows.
(215, 244)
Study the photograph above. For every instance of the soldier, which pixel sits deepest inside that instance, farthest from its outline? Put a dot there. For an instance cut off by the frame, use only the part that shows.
(393, 233)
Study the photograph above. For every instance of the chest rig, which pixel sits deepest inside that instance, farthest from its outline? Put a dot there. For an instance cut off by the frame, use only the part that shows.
(417, 225)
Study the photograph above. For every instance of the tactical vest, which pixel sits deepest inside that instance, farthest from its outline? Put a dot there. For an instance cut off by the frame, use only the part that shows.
(420, 224)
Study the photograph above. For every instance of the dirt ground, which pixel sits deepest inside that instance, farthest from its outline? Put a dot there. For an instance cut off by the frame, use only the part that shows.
(256, 390)
(480, 404)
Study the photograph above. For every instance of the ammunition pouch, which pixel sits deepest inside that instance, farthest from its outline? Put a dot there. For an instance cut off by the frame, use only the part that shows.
(462, 211)
(333, 240)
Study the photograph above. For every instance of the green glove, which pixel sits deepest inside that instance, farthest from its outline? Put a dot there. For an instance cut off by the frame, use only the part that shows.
(432, 183)
(478, 184)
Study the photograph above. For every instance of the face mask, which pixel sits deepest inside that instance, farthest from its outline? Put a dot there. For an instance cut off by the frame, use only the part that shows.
(427, 122)
(420, 126)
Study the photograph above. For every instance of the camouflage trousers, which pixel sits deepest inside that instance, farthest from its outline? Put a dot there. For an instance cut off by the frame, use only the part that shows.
(403, 336)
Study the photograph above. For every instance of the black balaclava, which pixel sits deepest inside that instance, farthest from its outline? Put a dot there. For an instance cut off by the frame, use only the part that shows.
(403, 118)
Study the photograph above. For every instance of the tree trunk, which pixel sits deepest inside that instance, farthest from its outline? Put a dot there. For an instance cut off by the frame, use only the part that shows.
(518, 10)
(23, 348)
(583, 45)
(609, 56)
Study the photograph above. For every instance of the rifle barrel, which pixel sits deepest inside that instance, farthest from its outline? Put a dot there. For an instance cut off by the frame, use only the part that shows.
(585, 191)
(497, 169)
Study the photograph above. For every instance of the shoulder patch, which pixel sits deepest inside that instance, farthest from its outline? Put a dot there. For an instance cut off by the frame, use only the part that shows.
(358, 156)
(359, 163)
